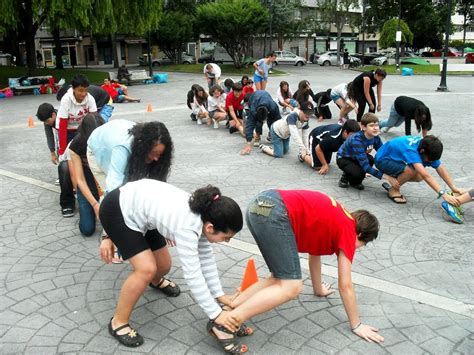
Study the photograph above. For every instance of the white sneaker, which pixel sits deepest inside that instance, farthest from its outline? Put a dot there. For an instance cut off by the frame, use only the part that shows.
(216, 124)
(199, 121)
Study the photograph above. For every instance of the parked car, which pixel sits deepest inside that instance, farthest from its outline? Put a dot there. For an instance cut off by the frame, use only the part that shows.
(217, 55)
(330, 58)
(470, 58)
(452, 52)
(286, 57)
(186, 58)
(382, 60)
(367, 57)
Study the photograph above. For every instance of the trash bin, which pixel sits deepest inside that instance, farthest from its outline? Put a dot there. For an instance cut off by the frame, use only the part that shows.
(407, 71)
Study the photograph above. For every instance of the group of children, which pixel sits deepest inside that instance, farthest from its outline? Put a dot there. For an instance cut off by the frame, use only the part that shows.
(128, 163)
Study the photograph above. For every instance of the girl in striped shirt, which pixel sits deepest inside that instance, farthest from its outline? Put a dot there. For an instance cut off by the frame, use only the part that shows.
(141, 217)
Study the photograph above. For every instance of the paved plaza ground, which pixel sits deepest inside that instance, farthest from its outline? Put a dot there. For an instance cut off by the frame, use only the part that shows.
(415, 282)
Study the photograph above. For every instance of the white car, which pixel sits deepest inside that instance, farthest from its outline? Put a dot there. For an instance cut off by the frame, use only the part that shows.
(379, 61)
(327, 58)
(286, 57)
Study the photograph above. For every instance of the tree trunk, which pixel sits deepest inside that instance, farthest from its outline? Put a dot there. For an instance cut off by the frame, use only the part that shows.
(58, 51)
(114, 50)
(29, 37)
(12, 46)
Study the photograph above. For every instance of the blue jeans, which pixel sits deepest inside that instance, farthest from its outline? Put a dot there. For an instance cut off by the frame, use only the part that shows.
(280, 146)
(86, 211)
(394, 120)
(267, 219)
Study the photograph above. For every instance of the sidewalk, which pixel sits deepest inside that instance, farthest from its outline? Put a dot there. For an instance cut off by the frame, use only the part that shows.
(414, 283)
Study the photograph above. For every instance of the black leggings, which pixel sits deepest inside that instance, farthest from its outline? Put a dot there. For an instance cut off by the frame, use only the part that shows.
(352, 170)
(128, 241)
(362, 101)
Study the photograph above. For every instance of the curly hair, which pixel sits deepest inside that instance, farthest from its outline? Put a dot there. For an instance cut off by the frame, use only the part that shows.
(145, 137)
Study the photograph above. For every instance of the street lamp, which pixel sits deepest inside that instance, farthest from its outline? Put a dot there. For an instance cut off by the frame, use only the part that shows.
(398, 36)
(442, 85)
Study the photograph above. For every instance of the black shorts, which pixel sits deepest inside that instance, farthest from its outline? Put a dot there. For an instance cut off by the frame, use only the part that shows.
(128, 241)
(313, 143)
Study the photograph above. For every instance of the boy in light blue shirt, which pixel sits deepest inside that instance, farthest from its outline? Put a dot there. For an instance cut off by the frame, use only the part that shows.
(405, 159)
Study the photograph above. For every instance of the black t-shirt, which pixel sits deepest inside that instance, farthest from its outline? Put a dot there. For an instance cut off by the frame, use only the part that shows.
(329, 137)
(322, 98)
(79, 146)
(358, 82)
(406, 106)
(101, 96)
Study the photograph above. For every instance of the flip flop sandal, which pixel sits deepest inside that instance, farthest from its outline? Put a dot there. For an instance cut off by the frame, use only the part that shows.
(169, 290)
(244, 331)
(131, 339)
(394, 199)
(230, 346)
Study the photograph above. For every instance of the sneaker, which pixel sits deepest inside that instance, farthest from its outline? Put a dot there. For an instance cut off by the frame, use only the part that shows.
(67, 212)
(256, 143)
(216, 124)
(232, 130)
(193, 117)
(56, 182)
(261, 147)
(343, 182)
(199, 120)
(450, 213)
(458, 209)
(358, 186)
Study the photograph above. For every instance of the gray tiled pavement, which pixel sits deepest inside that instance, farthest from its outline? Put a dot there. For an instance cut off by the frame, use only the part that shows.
(56, 296)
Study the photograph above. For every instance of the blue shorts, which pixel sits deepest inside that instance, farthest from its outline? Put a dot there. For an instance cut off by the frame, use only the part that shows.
(258, 79)
(120, 91)
(335, 97)
(268, 221)
(390, 167)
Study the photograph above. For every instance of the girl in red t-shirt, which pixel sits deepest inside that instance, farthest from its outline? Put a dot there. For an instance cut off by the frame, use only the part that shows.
(285, 222)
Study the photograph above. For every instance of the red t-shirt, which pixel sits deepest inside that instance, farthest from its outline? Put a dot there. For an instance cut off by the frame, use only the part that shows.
(322, 226)
(111, 89)
(247, 90)
(233, 101)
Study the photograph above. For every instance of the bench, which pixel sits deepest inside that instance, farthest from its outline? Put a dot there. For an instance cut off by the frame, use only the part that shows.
(458, 67)
(137, 76)
(15, 85)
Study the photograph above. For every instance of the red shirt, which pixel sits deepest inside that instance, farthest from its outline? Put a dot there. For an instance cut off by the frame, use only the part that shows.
(111, 89)
(233, 101)
(322, 226)
(247, 89)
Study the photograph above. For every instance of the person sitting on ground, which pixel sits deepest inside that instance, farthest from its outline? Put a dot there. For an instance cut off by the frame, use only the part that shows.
(78, 152)
(284, 98)
(190, 100)
(234, 108)
(117, 92)
(294, 125)
(261, 108)
(363, 92)
(199, 105)
(212, 73)
(141, 217)
(216, 105)
(74, 106)
(325, 140)
(228, 85)
(405, 159)
(405, 109)
(248, 88)
(103, 101)
(304, 92)
(354, 158)
(321, 105)
(453, 213)
(123, 74)
(343, 97)
(287, 222)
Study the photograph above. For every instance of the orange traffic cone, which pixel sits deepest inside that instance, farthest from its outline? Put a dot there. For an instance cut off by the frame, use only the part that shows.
(30, 122)
(149, 108)
(250, 276)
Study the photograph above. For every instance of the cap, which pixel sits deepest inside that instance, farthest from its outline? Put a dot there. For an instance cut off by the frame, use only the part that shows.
(308, 108)
(45, 111)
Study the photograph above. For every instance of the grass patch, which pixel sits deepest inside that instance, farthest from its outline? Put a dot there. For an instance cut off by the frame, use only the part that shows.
(95, 77)
(417, 69)
(198, 69)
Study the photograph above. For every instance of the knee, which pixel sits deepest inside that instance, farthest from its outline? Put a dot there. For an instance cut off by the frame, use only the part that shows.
(87, 230)
(293, 289)
(147, 272)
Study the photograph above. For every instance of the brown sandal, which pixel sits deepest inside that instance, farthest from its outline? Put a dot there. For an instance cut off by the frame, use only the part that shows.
(230, 346)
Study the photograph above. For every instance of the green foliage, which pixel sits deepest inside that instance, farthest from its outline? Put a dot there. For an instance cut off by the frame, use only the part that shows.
(389, 30)
(232, 23)
(282, 13)
(175, 29)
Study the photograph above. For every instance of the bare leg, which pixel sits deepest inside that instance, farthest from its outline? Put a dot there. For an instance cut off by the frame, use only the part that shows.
(264, 85)
(256, 287)
(163, 265)
(131, 99)
(258, 86)
(144, 269)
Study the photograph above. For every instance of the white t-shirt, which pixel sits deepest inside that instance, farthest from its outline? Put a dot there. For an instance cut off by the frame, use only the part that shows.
(292, 126)
(214, 73)
(151, 204)
(213, 103)
(74, 111)
(340, 90)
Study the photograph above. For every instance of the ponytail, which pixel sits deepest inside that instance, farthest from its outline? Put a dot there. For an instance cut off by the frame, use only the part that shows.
(221, 211)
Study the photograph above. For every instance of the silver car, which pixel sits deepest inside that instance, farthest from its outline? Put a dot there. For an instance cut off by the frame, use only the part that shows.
(286, 57)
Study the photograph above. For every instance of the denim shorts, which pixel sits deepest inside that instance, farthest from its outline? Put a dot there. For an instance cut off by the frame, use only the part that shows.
(390, 167)
(258, 78)
(268, 221)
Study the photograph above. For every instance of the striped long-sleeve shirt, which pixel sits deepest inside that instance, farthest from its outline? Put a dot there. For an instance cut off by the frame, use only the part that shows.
(150, 204)
(356, 147)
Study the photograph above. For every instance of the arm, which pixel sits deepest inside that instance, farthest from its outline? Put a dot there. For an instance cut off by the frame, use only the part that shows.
(379, 96)
(367, 91)
(118, 165)
(348, 296)
(324, 164)
(297, 136)
(48, 131)
(62, 135)
(82, 183)
(431, 181)
(320, 289)
(233, 116)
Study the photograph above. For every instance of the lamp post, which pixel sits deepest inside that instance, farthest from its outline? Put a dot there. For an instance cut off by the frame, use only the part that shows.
(363, 31)
(442, 85)
(398, 36)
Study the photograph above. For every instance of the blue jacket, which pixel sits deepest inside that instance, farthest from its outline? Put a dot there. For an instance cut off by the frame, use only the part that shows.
(256, 100)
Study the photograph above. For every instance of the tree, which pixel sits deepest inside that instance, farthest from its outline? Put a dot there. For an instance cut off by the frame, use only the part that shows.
(232, 23)
(338, 13)
(175, 28)
(465, 8)
(389, 30)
